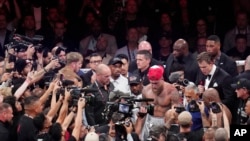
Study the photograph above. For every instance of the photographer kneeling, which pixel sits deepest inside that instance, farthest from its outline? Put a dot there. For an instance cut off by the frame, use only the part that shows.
(219, 114)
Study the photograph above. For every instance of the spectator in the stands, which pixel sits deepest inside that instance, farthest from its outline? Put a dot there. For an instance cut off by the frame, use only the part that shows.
(4, 34)
(241, 27)
(28, 26)
(129, 20)
(213, 47)
(101, 48)
(240, 51)
(165, 43)
(131, 47)
(88, 44)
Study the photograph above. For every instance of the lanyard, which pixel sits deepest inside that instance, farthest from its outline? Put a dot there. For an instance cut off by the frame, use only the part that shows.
(99, 91)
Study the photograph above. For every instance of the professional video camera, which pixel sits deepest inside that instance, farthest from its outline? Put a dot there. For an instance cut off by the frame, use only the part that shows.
(76, 93)
(125, 107)
(17, 40)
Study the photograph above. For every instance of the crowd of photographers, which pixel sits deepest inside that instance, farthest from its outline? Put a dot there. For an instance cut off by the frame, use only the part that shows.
(54, 98)
(103, 71)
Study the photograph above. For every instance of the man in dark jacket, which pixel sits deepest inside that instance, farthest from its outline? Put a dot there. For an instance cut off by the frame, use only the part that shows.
(6, 115)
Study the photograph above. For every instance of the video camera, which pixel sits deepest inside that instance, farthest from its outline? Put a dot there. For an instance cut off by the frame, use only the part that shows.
(17, 40)
(75, 92)
(125, 107)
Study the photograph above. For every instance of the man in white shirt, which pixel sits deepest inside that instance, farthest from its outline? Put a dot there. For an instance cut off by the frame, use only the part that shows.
(119, 81)
(214, 77)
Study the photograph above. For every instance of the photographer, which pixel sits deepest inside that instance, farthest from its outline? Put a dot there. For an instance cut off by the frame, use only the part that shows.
(171, 116)
(78, 120)
(211, 96)
(192, 97)
(119, 128)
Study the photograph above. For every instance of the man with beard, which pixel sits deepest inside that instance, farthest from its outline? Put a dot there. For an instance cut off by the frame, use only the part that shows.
(181, 55)
(221, 60)
(161, 92)
(119, 81)
(6, 115)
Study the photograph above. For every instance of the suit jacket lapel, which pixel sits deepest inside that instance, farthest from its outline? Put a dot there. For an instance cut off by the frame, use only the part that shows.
(221, 60)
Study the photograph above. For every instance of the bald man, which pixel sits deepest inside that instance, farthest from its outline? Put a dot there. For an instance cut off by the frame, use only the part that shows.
(143, 45)
(212, 95)
(161, 92)
(103, 87)
(181, 55)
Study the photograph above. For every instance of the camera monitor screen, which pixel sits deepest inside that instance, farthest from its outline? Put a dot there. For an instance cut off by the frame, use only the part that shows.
(123, 108)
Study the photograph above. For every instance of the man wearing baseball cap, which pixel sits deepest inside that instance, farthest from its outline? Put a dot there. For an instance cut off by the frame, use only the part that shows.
(119, 81)
(161, 92)
(135, 83)
(242, 88)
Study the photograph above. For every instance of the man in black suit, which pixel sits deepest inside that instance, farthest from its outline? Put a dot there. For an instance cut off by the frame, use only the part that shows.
(221, 59)
(6, 115)
(89, 77)
(212, 76)
(182, 56)
(143, 45)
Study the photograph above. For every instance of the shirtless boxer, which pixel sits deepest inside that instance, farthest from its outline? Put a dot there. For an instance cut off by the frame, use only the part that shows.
(161, 92)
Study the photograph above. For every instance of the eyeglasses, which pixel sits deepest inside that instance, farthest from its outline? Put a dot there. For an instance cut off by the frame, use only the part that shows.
(95, 62)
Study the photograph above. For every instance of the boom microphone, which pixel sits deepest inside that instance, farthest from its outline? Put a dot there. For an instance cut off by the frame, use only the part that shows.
(174, 77)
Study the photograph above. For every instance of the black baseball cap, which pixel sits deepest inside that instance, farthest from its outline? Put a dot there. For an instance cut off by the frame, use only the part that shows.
(114, 61)
(241, 83)
(134, 79)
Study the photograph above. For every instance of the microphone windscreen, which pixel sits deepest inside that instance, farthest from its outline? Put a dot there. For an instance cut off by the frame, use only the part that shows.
(174, 77)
